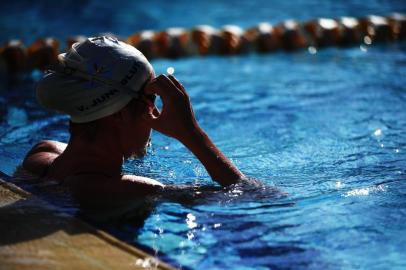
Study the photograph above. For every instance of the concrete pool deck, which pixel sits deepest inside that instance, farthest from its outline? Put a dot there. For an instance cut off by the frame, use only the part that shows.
(36, 235)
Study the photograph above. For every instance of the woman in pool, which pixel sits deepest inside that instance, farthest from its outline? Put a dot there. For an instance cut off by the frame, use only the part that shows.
(108, 89)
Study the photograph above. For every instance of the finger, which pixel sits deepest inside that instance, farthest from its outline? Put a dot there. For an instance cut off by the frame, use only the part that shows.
(172, 87)
(149, 117)
(147, 101)
(155, 112)
(175, 81)
(152, 117)
(154, 87)
(163, 87)
(178, 84)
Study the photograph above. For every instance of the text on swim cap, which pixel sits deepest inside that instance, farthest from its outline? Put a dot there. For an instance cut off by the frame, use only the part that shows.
(133, 70)
(107, 95)
(102, 98)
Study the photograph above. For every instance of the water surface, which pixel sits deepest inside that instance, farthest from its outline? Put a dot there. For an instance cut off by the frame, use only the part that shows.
(326, 128)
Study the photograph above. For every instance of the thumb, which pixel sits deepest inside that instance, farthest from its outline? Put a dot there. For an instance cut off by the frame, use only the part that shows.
(151, 116)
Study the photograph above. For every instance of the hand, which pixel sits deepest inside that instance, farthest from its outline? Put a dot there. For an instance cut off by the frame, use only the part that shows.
(177, 118)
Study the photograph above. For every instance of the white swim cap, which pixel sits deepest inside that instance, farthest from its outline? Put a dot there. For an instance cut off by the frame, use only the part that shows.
(94, 79)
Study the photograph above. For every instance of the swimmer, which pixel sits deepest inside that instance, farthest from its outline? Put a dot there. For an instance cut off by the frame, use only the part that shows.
(108, 89)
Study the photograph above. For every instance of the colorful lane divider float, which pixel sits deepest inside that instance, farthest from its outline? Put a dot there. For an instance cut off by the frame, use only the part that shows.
(205, 40)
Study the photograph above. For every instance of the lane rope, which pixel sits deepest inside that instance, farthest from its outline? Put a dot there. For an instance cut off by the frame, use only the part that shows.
(204, 40)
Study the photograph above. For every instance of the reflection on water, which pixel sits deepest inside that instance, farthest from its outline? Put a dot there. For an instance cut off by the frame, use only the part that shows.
(366, 191)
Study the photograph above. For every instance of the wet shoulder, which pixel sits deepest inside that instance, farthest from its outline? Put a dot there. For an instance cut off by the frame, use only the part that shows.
(42, 155)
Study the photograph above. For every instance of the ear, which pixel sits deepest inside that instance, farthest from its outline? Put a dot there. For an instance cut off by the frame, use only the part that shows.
(118, 116)
(115, 120)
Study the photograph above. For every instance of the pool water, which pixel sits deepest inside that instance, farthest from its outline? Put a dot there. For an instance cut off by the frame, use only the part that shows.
(328, 129)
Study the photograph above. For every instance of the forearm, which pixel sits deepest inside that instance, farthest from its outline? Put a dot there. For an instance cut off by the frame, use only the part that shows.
(219, 167)
(177, 120)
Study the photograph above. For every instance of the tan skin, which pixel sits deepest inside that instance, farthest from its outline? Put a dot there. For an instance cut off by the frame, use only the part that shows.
(93, 170)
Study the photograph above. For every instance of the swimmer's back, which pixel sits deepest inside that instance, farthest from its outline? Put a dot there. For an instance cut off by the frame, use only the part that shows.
(45, 160)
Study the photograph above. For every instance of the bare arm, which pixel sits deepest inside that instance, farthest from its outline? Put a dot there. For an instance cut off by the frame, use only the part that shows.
(219, 167)
(177, 120)
(97, 188)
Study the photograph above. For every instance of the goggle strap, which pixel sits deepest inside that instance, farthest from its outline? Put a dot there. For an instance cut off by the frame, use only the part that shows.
(62, 68)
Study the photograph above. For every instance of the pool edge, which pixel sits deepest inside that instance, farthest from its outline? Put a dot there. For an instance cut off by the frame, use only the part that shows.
(37, 235)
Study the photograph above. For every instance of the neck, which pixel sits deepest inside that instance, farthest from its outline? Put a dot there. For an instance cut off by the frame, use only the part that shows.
(102, 155)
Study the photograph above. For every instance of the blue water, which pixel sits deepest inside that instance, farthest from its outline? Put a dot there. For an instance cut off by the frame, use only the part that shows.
(329, 129)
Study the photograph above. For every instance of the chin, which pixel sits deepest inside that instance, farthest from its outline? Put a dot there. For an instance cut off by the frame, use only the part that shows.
(139, 153)
(135, 155)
